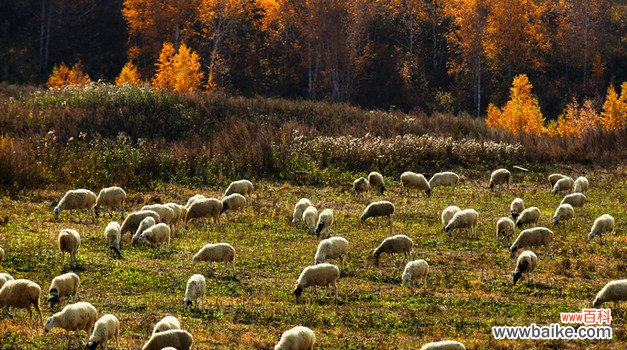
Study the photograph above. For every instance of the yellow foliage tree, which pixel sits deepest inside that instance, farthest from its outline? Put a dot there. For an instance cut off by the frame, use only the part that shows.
(178, 71)
(614, 114)
(575, 120)
(63, 75)
(128, 75)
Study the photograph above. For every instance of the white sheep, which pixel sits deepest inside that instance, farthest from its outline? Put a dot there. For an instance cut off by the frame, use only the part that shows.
(444, 345)
(615, 291)
(76, 200)
(205, 208)
(533, 237)
(447, 214)
(562, 213)
(528, 216)
(331, 248)
(577, 200)
(107, 327)
(243, 187)
(195, 290)
(176, 338)
(215, 253)
(165, 212)
(563, 184)
(325, 220)
(378, 209)
(324, 275)
(132, 221)
(233, 202)
(375, 180)
(76, 317)
(464, 219)
(110, 198)
(112, 235)
(194, 198)
(21, 294)
(310, 218)
(361, 186)
(603, 224)
(66, 284)
(69, 241)
(148, 221)
(444, 179)
(157, 235)
(516, 207)
(505, 229)
(4, 278)
(527, 262)
(553, 178)
(165, 324)
(180, 212)
(418, 181)
(414, 271)
(581, 185)
(498, 178)
(394, 245)
(297, 338)
(299, 208)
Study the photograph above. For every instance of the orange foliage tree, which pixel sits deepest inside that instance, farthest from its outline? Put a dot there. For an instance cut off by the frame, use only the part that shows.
(575, 121)
(614, 114)
(128, 75)
(521, 114)
(178, 71)
(63, 75)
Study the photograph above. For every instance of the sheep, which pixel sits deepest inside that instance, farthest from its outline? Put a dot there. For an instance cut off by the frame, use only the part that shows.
(165, 324)
(216, 252)
(111, 198)
(361, 186)
(234, 202)
(331, 248)
(4, 277)
(317, 275)
(533, 237)
(112, 235)
(577, 200)
(132, 221)
(498, 178)
(310, 218)
(447, 214)
(466, 218)
(63, 285)
(243, 187)
(194, 198)
(180, 212)
(176, 338)
(325, 220)
(377, 209)
(553, 178)
(563, 184)
(165, 212)
(615, 291)
(22, 294)
(299, 208)
(375, 180)
(195, 290)
(297, 338)
(602, 224)
(580, 185)
(202, 208)
(143, 225)
(75, 200)
(528, 216)
(414, 271)
(444, 345)
(74, 317)
(69, 241)
(157, 235)
(505, 228)
(444, 179)
(527, 262)
(418, 181)
(394, 245)
(107, 327)
(562, 213)
(516, 207)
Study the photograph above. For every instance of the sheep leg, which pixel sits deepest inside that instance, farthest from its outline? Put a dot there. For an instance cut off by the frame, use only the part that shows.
(335, 288)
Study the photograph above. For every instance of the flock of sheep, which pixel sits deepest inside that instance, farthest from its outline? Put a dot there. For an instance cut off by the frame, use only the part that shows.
(154, 224)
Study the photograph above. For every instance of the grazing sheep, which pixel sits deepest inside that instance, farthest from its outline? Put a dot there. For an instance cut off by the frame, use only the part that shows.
(516, 207)
(377, 209)
(76, 200)
(466, 218)
(310, 218)
(564, 184)
(157, 235)
(533, 237)
(603, 224)
(299, 208)
(528, 216)
(444, 179)
(233, 202)
(414, 271)
(297, 338)
(418, 181)
(21, 294)
(194, 198)
(145, 224)
(447, 214)
(527, 262)
(112, 235)
(581, 185)
(562, 213)
(110, 198)
(195, 290)
(217, 252)
(498, 178)
(4, 277)
(165, 212)
(375, 180)
(331, 248)
(361, 186)
(325, 275)
(243, 187)
(107, 327)
(167, 323)
(553, 178)
(613, 291)
(132, 221)
(325, 220)
(505, 228)
(63, 285)
(176, 338)
(205, 208)
(394, 245)
(180, 212)
(444, 345)
(76, 317)
(69, 241)
(577, 200)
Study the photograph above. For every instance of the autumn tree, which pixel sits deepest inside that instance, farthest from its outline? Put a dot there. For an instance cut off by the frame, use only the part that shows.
(62, 75)
(177, 71)
(614, 114)
(575, 121)
(128, 75)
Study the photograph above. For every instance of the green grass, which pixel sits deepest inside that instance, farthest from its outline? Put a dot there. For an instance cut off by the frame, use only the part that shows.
(469, 285)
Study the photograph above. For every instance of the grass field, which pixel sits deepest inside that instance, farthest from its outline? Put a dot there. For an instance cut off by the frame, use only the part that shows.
(469, 286)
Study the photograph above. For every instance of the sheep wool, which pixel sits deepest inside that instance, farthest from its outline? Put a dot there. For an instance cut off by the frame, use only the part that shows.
(165, 324)
(444, 345)
(243, 187)
(613, 291)
(377, 209)
(528, 216)
(562, 213)
(325, 220)
(553, 178)
(516, 207)
(310, 218)
(205, 208)
(331, 248)
(324, 275)
(398, 244)
(233, 202)
(505, 229)
(194, 198)
(447, 214)
(499, 177)
(581, 185)
(132, 221)
(526, 263)
(414, 271)
(21, 294)
(76, 317)
(533, 237)
(165, 212)
(4, 278)
(106, 328)
(411, 180)
(195, 290)
(110, 198)
(176, 338)
(157, 235)
(563, 184)
(69, 241)
(375, 180)
(603, 224)
(112, 235)
(63, 285)
(299, 208)
(143, 225)
(76, 200)
(577, 200)
(215, 253)
(464, 219)
(444, 179)
(361, 186)
(297, 338)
